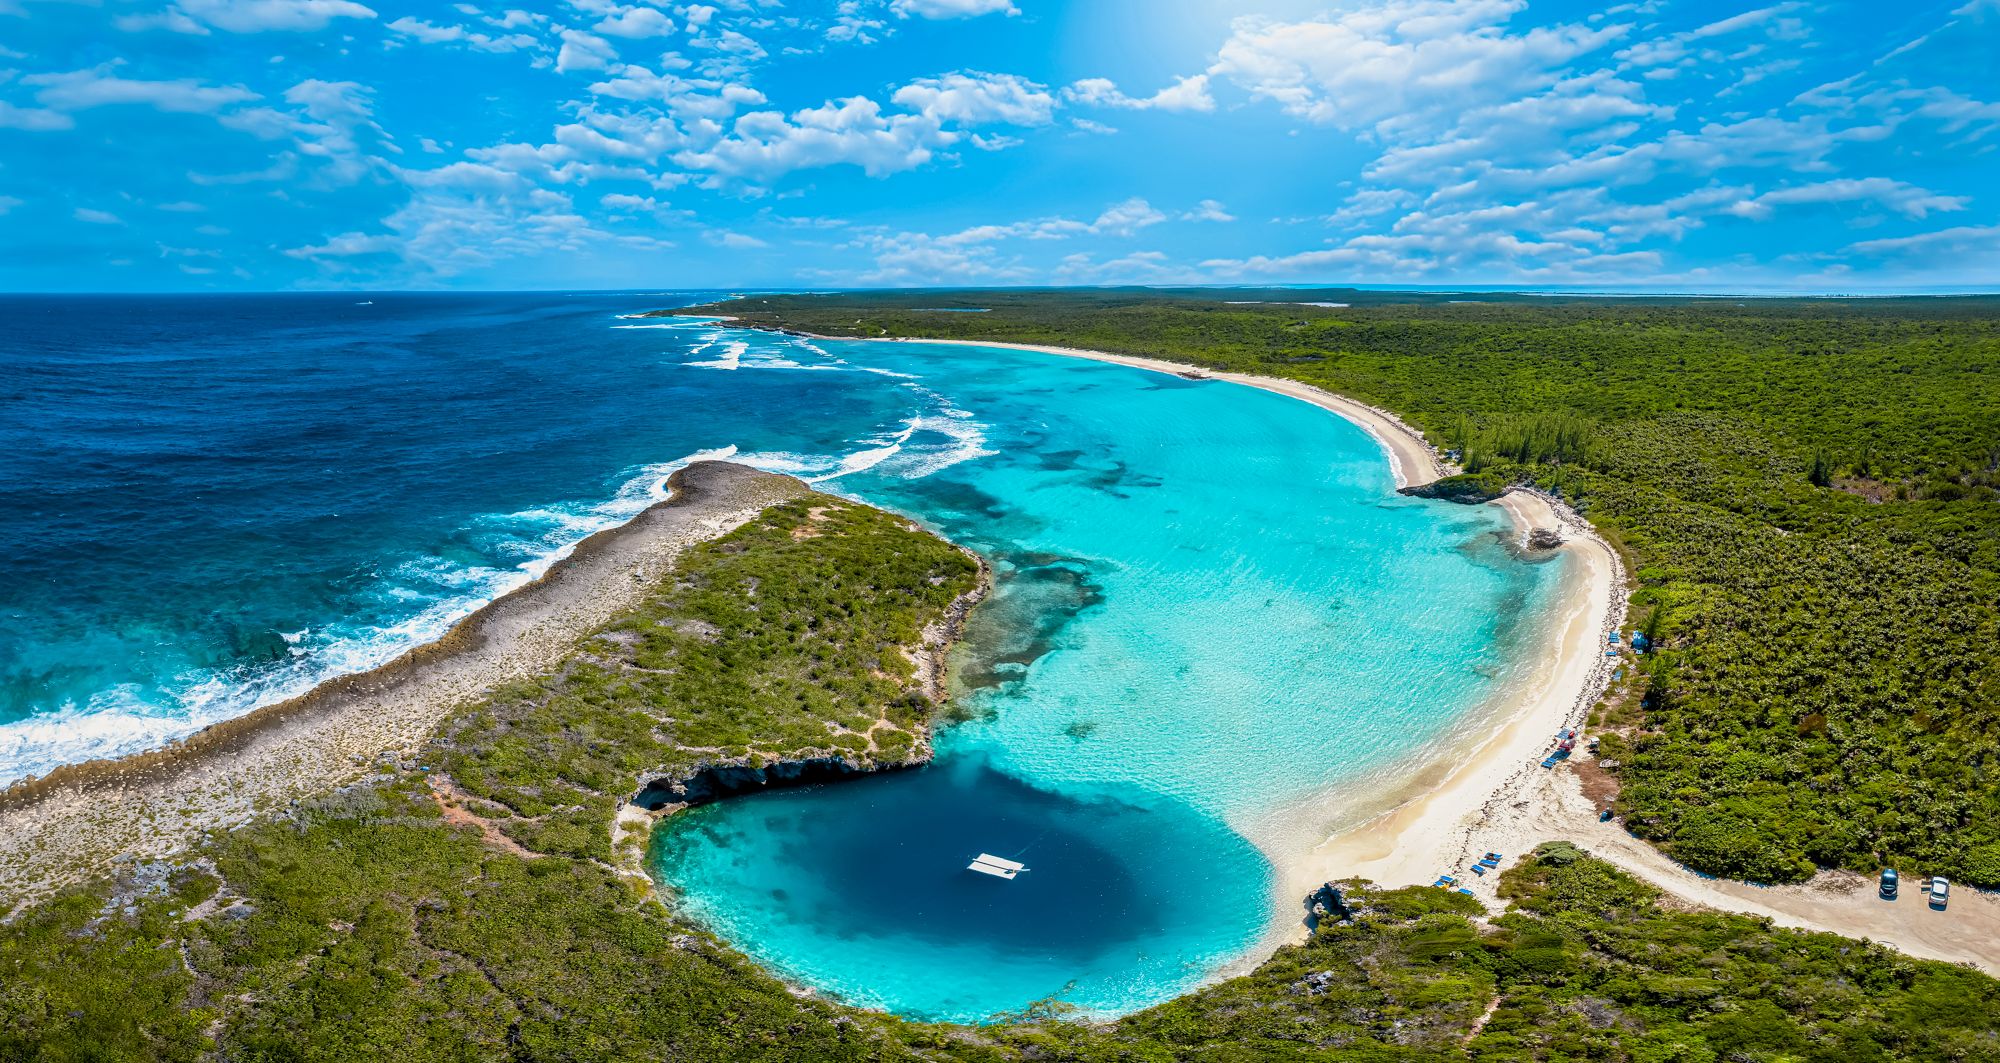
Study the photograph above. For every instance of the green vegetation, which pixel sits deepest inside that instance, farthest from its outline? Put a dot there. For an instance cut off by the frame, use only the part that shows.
(783, 642)
(1804, 490)
(1585, 966)
(391, 919)
(477, 917)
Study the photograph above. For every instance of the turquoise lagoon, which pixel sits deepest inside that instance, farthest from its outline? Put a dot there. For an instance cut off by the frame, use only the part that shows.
(1213, 617)
(1216, 628)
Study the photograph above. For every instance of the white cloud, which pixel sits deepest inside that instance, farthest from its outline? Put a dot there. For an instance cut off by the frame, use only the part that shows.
(430, 33)
(734, 241)
(975, 98)
(636, 23)
(8, 203)
(327, 121)
(171, 19)
(98, 217)
(766, 144)
(1139, 267)
(1399, 61)
(1124, 219)
(952, 8)
(636, 204)
(33, 118)
(763, 145)
(581, 51)
(445, 233)
(1209, 210)
(1963, 240)
(851, 22)
(80, 90)
(1187, 94)
(248, 16)
(1900, 197)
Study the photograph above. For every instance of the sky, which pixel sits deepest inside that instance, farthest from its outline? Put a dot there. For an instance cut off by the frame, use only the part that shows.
(168, 145)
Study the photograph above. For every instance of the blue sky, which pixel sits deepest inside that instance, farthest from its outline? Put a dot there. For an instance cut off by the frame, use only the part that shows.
(280, 144)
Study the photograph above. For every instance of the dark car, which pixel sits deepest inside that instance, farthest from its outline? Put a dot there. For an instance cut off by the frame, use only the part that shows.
(1888, 883)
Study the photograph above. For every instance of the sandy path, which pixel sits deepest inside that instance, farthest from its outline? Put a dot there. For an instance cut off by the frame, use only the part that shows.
(1552, 805)
(77, 821)
(1496, 796)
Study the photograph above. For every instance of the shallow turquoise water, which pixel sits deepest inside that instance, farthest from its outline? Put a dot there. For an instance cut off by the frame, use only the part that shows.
(1211, 609)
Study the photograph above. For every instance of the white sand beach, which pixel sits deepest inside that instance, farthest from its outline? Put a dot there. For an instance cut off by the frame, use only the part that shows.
(1494, 795)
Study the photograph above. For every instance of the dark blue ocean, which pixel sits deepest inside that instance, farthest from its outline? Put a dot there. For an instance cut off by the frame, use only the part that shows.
(1216, 625)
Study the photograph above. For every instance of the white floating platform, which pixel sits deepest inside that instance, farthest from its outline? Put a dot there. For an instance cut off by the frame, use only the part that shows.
(988, 864)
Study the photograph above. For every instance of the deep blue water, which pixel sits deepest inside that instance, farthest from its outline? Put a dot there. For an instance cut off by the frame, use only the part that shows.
(1215, 625)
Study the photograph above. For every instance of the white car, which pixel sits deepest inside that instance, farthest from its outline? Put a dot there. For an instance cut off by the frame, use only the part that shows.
(1940, 892)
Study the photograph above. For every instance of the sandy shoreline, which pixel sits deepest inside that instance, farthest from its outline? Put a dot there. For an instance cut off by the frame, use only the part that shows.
(1429, 824)
(1494, 795)
(1411, 457)
(78, 820)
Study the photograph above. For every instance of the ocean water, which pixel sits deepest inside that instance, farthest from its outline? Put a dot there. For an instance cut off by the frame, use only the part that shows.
(1211, 613)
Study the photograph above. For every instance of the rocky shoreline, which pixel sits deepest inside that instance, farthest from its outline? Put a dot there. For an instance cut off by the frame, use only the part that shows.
(75, 821)
(666, 793)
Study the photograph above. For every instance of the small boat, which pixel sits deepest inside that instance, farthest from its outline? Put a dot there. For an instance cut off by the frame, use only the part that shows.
(988, 864)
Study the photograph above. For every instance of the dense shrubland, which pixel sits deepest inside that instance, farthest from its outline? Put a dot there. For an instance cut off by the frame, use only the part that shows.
(381, 922)
(1805, 490)
(376, 923)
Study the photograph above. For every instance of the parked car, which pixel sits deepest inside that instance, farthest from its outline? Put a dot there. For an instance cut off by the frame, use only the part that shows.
(1940, 892)
(1888, 883)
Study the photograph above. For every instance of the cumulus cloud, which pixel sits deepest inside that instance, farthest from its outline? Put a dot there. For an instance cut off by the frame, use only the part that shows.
(442, 233)
(938, 114)
(1898, 196)
(1399, 61)
(581, 51)
(1187, 94)
(33, 118)
(1963, 240)
(854, 131)
(635, 23)
(247, 16)
(952, 8)
(79, 90)
(479, 41)
(975, 98)
(1539, 152)
(734, 240)
(1124, 219)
